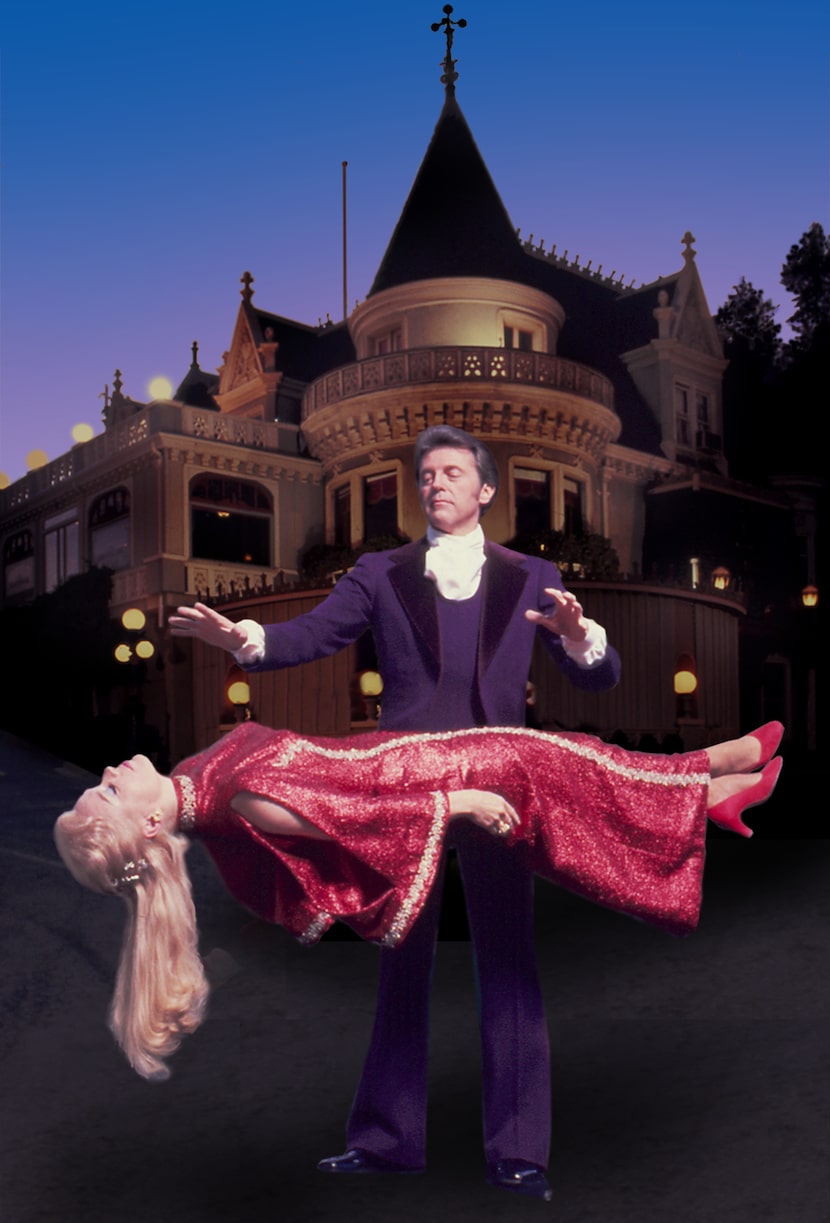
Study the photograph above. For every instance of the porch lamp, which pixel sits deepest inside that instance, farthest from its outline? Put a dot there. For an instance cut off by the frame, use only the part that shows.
(685, 676)
(371, 687)
(809, 596)
(239, 695)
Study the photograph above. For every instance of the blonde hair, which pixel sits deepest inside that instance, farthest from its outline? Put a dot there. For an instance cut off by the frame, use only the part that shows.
(160, 990)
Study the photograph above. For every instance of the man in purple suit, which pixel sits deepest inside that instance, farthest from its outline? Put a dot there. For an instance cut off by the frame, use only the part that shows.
(454, 619)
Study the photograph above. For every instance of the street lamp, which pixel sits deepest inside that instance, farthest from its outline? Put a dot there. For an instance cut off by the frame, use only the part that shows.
(133, 621)
(809, 596)
(721, 577)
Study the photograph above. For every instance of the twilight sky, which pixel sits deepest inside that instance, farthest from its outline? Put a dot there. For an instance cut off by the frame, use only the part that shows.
(152, 152)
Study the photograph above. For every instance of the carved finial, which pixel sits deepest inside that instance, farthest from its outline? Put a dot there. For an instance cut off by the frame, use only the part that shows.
(246, 280)
(687, 240)
(194, 348)
(450, 76)
(116, 385)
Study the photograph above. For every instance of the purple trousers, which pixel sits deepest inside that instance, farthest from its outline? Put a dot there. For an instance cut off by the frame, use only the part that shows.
(388, 1116)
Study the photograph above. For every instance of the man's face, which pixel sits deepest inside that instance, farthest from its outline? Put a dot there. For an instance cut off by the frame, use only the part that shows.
(451, 491)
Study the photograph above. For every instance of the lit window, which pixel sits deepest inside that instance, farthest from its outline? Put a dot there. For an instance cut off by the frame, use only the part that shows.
(109, 530)
(380, 505)
(230, 521)
(531, 492)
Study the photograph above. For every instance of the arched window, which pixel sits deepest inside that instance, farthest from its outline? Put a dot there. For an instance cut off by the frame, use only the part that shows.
(230, 520)
(19, 566)
(109, 530)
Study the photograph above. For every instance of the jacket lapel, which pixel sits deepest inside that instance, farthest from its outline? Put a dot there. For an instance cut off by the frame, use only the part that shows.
(416, 594)
(504, 577)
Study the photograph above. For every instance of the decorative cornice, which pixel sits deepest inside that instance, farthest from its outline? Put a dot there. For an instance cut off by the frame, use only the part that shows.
(338, 433)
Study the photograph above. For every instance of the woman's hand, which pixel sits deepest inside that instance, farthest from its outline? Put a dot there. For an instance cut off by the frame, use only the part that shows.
(209, 626)
(489, 811)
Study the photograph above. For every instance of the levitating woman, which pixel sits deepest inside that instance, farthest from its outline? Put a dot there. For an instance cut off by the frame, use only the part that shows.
(308, 831)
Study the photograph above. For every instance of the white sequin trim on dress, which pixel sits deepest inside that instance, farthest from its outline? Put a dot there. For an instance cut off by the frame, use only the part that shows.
(585, 750)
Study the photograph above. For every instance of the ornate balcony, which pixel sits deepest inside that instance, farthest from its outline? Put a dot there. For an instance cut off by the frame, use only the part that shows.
(508, 392)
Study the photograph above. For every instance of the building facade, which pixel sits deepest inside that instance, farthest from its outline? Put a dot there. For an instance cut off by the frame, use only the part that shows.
(601, 402)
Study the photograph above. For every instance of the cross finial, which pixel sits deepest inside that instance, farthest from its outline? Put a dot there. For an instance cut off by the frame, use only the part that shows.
(246, 279)
(450, 75)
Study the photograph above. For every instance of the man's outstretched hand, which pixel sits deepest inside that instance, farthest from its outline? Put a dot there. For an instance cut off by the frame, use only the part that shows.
(567, 619)
(209, 626)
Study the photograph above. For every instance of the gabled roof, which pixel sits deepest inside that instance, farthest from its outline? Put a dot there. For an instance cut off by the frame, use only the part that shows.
(453, 222)
(305, 352)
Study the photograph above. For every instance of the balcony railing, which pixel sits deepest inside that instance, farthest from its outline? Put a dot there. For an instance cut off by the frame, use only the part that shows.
(460, 365)
(155, 418)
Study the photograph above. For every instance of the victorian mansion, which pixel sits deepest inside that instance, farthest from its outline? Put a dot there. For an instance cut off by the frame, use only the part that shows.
(601, 402)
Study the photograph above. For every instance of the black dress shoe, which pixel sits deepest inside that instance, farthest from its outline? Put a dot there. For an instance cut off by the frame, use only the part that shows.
(357, 1160)
(520, 1176)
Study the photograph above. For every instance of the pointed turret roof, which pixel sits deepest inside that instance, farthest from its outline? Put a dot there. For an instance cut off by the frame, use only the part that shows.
(453, 222)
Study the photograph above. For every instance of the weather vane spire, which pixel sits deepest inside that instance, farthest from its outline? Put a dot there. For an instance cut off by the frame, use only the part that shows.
(450, 75)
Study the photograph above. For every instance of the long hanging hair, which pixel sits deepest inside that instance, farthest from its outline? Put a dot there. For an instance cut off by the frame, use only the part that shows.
(161, 990)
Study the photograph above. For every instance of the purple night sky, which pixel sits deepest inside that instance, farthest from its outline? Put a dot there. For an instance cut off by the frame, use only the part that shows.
(153, 152)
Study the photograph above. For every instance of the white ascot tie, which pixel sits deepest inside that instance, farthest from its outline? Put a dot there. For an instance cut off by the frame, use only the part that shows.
(454, 563)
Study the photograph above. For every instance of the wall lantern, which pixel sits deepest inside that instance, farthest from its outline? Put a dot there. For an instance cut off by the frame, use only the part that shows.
(721, 577)
(238, 693)
(685, 676)
(371, 683)
(809, 596)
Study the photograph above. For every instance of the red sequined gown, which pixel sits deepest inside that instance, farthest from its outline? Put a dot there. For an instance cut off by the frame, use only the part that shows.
(624, 829)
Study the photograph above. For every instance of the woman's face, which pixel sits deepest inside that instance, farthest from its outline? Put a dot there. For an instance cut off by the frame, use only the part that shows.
(131, 793)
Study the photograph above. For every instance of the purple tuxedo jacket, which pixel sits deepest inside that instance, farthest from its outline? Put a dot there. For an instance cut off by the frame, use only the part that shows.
(388, 593)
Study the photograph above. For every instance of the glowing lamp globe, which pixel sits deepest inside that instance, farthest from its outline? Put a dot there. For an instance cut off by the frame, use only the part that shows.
(239, 692)
(133, 619)
(371, 683)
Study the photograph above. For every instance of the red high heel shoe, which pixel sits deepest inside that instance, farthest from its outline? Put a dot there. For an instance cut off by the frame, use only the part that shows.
(769, 736)
(727, 814)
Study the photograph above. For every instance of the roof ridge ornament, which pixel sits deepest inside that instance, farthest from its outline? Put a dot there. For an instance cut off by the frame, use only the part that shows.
(246, 280)
(450, 76)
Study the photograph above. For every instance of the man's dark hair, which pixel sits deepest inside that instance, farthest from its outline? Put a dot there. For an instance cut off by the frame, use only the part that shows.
(437, 436)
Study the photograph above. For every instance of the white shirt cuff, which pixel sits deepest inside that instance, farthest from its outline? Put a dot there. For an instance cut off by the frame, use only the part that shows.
(254, 648)
(585, 653)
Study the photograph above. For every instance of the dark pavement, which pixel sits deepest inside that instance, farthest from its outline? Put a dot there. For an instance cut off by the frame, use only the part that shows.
(691, 1078)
